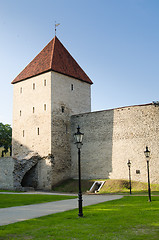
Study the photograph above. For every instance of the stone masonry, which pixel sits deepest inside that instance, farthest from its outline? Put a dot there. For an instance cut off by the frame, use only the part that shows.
(6, 173)
(65, 102)
(41, 123)
(112, 137)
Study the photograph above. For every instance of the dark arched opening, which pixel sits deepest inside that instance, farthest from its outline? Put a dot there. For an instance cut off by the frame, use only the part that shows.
(30, 179)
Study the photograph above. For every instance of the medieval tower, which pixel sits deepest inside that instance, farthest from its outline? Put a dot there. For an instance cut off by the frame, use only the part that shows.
(52, 96)
(47, 92)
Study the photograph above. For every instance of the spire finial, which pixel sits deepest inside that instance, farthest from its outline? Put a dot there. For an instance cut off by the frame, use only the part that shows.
(56, 25)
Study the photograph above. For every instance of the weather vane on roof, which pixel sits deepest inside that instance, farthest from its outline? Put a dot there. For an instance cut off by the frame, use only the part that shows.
(56, 25)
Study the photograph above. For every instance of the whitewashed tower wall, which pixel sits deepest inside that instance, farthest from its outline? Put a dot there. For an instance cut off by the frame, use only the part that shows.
(69, 96)
(32, 110)
(42, 107)
(32, 123)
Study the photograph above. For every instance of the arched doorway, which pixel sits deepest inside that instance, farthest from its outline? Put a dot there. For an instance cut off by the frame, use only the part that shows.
(30, 179)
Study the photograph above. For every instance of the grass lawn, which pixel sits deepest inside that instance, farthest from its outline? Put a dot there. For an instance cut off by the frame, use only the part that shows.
(122, 186)
(10, 191)
(11, 200)
(130, 218)
(71, 185)
(111, 186)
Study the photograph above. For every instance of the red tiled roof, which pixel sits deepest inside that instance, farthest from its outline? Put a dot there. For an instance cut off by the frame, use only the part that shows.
(53, 57)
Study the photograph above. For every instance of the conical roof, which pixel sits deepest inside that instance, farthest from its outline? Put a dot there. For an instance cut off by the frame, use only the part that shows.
(54, 57)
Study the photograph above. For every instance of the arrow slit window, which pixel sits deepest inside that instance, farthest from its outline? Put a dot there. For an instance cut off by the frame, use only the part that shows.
(44, 82)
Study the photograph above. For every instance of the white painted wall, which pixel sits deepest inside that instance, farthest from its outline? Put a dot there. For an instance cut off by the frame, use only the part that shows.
(29, 122)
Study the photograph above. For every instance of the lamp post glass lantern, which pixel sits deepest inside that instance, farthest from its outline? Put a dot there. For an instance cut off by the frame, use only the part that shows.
(129, 165)
(78, 136)
(78, 141)
(147, 155)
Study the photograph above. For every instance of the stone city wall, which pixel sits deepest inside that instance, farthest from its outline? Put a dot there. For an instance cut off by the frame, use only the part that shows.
(35, 173)
(112, 137)
(6, 173)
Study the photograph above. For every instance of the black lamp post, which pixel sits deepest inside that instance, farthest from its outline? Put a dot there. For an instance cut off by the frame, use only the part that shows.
(129, 165)
(147, 155)
(78, 141)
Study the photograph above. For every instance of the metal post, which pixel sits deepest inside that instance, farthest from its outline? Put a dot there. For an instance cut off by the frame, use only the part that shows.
(130, 179)
(80, 192)
(149, 190)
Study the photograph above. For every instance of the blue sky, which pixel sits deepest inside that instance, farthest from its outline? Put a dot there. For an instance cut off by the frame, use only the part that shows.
(116, 42)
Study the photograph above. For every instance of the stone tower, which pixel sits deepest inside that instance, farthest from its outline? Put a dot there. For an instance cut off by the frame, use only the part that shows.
(47, 92)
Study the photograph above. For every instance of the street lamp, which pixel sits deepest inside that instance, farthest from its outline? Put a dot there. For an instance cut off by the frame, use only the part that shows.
(147, 155)
(129, 165)
(78, 141)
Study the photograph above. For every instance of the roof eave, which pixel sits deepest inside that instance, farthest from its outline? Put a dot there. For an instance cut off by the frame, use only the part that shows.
(14, 81)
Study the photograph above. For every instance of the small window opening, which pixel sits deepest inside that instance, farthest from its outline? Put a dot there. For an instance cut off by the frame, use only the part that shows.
(44, 107)
(20, 113)
(38, 131)
(71, 87)
(137, 171)
(44, 82)
(23, 133)
(62, 109)
(21, 90)
(33, 86)
(66, 129)
(33, 109)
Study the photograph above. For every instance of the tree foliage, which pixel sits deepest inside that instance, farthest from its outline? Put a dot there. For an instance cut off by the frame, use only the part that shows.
(5, 137)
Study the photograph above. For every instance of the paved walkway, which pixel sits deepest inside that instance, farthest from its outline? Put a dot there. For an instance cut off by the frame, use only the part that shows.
(17, 214)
